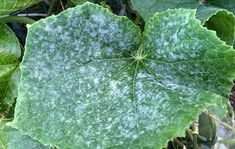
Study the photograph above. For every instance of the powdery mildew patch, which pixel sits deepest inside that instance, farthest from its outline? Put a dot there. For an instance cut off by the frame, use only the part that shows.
(92, 87)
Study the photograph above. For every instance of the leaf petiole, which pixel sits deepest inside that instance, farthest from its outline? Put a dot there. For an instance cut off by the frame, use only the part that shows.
(19, 19)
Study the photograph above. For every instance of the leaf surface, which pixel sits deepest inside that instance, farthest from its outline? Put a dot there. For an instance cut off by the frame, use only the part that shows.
(9, 6)
(225, 4)
(214, 14)
(100, 85)
(219, 20)
(10, 53)
(11, 138)
(148, 8)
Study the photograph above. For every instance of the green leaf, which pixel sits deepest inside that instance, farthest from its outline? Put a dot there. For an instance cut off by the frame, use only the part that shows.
(11, 138)
(10, 53)
(148, 8)
(225, 4)
(219, 20)
(9, 6)
(94, 86)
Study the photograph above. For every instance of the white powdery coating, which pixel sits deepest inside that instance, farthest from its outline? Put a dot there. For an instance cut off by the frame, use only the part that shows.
(93, 104)
(180, 51)
(176, 38)
(92, 38)
(158, 98)
(89, 90)
(77, 71)
(182, 60)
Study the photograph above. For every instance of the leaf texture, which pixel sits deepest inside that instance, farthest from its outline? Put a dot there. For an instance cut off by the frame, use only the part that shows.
(148, 8)
(214, 14)
(219, 20)
(11, 138)
(100, 84)
(225, 4)
(10, 53)
(9, 6)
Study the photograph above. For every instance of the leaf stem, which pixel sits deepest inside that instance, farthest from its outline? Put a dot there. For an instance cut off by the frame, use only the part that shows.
(33, 15)
(195, 132)
(140, 55)
(233, 120)
(19, 19)
(137, 19)
(128, 8)
(222, 123)
(52, 7)
(62, 5)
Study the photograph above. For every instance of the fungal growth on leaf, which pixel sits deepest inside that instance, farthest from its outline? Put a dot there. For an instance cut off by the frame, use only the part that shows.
(89, 79)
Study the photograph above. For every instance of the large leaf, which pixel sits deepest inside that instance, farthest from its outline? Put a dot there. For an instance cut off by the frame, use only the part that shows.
(9, 6)
(96, 86)
(11, 138)
(10, 53)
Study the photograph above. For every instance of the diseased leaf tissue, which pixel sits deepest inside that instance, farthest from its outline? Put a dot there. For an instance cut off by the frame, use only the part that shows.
(89, 79)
